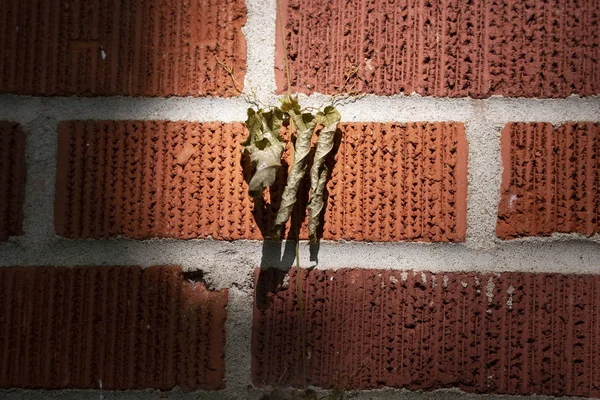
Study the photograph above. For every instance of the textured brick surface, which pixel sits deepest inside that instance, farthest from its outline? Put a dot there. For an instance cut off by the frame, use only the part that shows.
(516, 48)
(12, 179)
(551, 179)
(514, 333)
(121, 47)
(109, 328)
(185, 180)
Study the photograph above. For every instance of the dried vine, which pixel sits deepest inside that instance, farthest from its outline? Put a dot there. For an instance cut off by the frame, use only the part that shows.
(265, 147)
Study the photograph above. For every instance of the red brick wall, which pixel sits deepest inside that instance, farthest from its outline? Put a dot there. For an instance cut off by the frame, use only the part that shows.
(442, 48)
(511, 333)
(139, 48)
(138, 177)
(551, 179)
(186, 180)
(111, 328)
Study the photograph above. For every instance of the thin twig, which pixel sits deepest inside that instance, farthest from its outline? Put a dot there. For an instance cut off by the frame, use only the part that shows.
(250, 98)
(348, 76)
(229, 70)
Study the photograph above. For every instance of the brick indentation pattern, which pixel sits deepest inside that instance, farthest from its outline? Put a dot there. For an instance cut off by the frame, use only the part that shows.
(513, 333)
(144, 179)
(110, 328)
(551, 179)
(122, 47)
(514, 48)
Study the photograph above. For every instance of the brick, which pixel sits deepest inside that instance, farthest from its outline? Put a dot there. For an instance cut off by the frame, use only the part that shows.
(109, 328)
(121, 47)
(185, 180)
(12, 179)
(509, 333)
(514, 48)
(551, 180)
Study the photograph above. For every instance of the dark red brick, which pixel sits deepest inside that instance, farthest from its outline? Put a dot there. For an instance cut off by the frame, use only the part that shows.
(144, 179)
(12, 179)
(121, 47)
(551, 179)
(515, 48)
(109, 328)
(509, 333)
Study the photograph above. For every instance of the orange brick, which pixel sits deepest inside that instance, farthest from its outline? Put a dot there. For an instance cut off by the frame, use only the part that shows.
(551, 180)
(513, 333)
(121, 47)
(110, 328)
(143, 179)
(441, 48)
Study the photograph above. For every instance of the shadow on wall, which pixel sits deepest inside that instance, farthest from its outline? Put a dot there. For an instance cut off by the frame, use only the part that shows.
(111, 328)
(265, 211)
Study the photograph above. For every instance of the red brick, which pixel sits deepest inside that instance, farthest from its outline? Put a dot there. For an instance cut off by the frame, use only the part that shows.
(12, 179)
(185, 180)
(121, 47)
(551, 179)
(109, 328)
(510, 333)
(513, 48)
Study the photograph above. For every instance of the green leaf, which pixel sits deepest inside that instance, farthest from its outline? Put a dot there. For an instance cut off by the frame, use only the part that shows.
(329, 118)
(305, 124)
(265, 147)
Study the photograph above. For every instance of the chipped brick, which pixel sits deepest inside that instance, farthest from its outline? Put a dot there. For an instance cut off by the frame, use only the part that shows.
(510, 333)
(514, 48)
(122, 47)
(109, 328)
(551, 180)
(390, 182)
(12, 179)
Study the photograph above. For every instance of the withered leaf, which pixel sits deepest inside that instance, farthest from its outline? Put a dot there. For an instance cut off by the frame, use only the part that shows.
(305, 124)
(265, 147)
(329, 118)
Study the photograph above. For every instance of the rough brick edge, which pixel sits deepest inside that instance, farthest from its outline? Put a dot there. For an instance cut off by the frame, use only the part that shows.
(114, 328)
(462, 184)
(12, 179)
(509, 333)
(506, 228)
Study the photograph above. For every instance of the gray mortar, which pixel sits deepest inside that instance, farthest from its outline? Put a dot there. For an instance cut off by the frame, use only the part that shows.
(239, 338)
(260, 40)
(231, 264)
